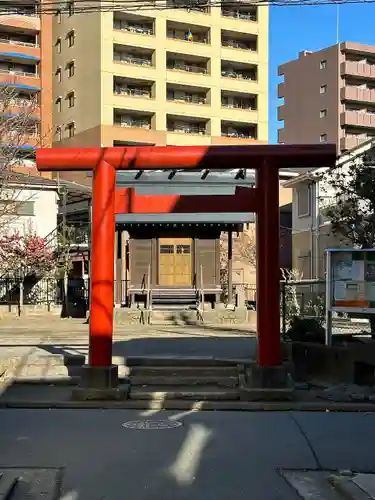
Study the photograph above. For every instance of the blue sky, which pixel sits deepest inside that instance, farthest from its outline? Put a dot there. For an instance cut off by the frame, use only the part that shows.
(293, 29)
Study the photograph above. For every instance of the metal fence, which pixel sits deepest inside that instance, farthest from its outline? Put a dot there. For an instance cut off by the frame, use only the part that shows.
(48, 291)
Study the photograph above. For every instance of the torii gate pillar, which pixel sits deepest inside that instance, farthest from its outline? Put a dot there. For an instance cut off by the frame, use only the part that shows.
(100, 377)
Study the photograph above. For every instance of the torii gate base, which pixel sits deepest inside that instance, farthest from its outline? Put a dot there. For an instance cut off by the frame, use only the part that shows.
(100, 377)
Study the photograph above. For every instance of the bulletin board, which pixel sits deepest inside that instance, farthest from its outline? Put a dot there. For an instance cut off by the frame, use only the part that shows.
(351, 280)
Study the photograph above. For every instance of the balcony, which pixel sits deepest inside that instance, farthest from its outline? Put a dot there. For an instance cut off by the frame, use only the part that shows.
(189, 70)
(357, 94)
(241, 41)
(358, 69)
(357, 119)
(281, 90)
(352, 141)
(132, 119)
(242, 13)
(136, 60)
(19, 10)
(134, 93)
(138, 25)
(133, 88)
(184, 32)
(23, 18)
(237, 130)
(233, 100)
(14, 50)
(187, 125)
(194, 7)
(178, 65)
(184, 94)
(18, 70)
(239, 71)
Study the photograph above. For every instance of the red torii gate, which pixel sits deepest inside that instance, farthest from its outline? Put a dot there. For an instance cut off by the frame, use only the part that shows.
(265, 159)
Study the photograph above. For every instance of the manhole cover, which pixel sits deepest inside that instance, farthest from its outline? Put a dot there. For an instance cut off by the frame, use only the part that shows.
(152, 424)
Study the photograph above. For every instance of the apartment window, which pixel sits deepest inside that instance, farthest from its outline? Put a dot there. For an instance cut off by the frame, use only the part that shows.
(71, 99)
(58, 133)
(70, 68)
(58, 45)
(323, 64)
(323, 113)
(70, 128)
(58, 104)
(323, 89)
(70, 37)
(58, 74)
(323, 137)
(303, 201)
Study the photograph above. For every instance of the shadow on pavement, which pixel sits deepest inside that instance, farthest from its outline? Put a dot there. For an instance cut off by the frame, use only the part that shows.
(222, 347)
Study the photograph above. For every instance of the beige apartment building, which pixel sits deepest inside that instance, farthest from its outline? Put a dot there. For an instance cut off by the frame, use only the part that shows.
(329, 96)
(173, 76)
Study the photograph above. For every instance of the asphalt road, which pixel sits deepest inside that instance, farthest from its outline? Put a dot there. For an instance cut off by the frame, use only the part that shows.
(211, 456)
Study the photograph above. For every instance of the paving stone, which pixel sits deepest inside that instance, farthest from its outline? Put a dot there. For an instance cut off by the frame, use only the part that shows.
(29, 484)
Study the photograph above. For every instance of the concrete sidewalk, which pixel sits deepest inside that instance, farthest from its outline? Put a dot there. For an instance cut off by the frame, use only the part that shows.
(124, 454)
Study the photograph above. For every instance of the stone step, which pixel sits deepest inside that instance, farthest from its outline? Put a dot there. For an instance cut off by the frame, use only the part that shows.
(184, 371)
(179, 380)
(182, 361)
(202, 393)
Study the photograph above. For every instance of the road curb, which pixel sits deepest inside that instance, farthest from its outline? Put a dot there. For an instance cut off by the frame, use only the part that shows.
(192, 405)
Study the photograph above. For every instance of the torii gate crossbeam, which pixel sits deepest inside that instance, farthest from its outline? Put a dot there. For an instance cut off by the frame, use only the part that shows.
(265, 159)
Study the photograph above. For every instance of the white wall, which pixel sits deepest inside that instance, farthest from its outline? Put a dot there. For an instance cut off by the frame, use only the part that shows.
(317, 189)
(44, 219)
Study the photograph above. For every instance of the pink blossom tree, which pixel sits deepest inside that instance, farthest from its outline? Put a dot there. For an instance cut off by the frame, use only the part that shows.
(26, 254)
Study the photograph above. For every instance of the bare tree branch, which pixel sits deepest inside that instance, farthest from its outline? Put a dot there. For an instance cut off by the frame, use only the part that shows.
(19, 133)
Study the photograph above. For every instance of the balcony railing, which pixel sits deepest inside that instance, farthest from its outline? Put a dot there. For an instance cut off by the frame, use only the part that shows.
(18, 73)
(173, 4)
(247, 16)
(17, 42)
(237, 44)
(195, 99)
(358, 94)
(133, 28)
(230, 73)
(18, 11)
(352, 141)
(131, 59)
(357, 118)
(358, 69)
(187, 128)
(237, 134)
(132, 91)
(195, 38)
(239, 105)
(129, 122)
(191, 68)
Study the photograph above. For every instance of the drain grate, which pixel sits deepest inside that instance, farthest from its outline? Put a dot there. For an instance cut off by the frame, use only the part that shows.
(30, 483)
(152, 424)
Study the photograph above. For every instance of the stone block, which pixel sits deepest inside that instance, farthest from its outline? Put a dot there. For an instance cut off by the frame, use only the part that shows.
(266, 394)
(92, 394)
(99, 377)
(267, 377)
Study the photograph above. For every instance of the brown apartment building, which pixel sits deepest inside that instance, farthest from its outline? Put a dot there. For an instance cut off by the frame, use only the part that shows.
(329, 96)
(26, 68)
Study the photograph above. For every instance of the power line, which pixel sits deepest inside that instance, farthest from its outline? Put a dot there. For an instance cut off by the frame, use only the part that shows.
(86, 6)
